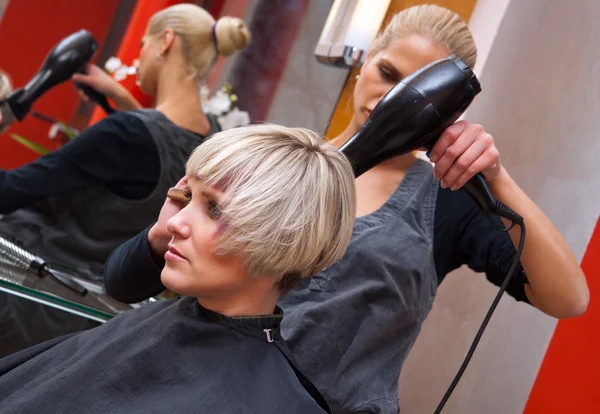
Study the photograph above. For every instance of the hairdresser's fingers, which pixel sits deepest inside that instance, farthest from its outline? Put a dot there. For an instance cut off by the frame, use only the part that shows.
(463, 164)
(488, 164)
(447, 138)
(78, 77)
(94, 70)
(83, 79)
(455, 150)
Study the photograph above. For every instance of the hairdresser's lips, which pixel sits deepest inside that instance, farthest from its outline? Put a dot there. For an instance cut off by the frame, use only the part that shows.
(173, 255)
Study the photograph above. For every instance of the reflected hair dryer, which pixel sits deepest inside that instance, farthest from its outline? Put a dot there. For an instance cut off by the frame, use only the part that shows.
(413, 114)
(68, 56)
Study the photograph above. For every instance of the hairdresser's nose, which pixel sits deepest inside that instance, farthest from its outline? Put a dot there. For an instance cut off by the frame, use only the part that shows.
(178, 225)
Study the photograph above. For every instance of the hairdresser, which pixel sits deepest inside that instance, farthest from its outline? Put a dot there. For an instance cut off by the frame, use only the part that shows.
(352, 325)
(75, 205)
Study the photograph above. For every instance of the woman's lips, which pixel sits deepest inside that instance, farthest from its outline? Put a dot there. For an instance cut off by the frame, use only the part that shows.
(174, 255)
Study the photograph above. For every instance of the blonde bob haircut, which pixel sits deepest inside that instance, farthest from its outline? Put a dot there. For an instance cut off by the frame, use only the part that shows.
(289, 199)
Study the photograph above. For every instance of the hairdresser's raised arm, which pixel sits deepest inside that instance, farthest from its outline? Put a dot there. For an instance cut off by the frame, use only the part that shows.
(103, 83)
(557, 285)
(83, 162)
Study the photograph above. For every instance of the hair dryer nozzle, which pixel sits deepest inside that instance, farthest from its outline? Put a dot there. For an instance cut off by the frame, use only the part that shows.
(468, 73)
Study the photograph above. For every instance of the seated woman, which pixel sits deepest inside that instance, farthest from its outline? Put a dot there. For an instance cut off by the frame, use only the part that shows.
(217, 349)
(75, 205)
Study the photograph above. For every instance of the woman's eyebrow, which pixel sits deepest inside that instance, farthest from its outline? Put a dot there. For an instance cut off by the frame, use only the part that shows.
(210, 194)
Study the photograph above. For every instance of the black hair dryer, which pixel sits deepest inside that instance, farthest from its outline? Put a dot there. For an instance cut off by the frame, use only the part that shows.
(413, 114)
(66, 58)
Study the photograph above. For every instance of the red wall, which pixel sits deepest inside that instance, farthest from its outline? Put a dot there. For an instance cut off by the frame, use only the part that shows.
(569, 379)
(29, 29)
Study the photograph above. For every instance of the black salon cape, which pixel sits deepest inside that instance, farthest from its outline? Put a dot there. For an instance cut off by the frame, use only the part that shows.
(165, 357)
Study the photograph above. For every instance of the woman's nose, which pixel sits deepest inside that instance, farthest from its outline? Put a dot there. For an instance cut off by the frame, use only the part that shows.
(178, 225)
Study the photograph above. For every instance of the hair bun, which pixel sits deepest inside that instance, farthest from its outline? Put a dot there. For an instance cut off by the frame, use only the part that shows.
(231, 35)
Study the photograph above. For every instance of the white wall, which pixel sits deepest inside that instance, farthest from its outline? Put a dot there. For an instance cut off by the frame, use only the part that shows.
(540, 100)
(484, 24)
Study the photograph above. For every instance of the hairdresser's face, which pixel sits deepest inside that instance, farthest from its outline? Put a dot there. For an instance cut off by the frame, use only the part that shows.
(148, 65)
(192, 268)
(388, 67)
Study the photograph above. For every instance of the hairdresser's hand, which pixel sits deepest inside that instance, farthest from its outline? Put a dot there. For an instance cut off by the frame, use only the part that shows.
(99, 80)
(158, 235)
(2, 126)
(106, 85)
(462, 151)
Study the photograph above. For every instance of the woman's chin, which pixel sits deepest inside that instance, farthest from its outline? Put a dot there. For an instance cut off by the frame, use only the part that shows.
(171, 279)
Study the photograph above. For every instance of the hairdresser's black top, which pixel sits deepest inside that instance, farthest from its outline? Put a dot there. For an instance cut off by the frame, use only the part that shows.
(171, 356)
(117, 152)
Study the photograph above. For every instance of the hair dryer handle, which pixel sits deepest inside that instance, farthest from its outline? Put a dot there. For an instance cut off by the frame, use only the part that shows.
(63, 279)
(478, 189)
(96, 96)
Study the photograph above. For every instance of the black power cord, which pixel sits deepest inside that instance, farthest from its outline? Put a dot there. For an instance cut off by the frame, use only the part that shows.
(506, 212)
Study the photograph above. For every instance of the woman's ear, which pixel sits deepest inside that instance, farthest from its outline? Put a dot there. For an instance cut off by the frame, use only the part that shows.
(167, 40)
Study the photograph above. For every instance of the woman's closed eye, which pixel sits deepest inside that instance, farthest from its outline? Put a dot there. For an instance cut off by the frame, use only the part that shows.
(389, 75)
(214, 211)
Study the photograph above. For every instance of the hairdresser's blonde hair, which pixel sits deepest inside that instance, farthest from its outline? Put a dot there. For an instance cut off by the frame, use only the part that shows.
(194, 26)
(5, 85)
(289, 199)
(432, 22)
